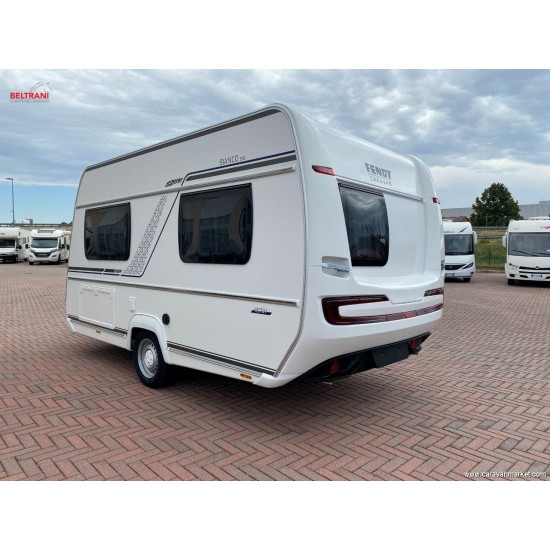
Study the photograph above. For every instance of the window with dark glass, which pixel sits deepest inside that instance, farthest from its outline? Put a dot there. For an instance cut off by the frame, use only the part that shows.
(367, 226)
(107, 233)
(216, 226)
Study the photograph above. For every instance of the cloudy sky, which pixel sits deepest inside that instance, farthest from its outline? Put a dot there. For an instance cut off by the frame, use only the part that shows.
(472, 127)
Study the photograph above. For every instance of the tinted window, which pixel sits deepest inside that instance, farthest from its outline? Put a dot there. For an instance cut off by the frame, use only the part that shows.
(367, 226)
(216, 226)
(107, 233)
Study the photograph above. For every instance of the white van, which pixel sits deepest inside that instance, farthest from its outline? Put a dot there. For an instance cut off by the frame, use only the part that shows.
(267, 248)
(49, 246)
(460, 239)
(14, 243)
(528, 250)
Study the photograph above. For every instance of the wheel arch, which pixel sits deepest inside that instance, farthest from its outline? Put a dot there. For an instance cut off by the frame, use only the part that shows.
(141, 322)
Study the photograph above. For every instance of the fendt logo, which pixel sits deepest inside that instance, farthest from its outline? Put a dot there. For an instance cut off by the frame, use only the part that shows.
(39, 93)
(378, 175)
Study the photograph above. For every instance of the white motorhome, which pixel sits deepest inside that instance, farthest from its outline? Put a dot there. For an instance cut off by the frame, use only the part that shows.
(266, 249)
(49, 246)
(527, 244)
(460, 239)
(14, 244)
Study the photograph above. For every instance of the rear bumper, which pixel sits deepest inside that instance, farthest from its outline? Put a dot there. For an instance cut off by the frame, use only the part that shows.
(375, 358)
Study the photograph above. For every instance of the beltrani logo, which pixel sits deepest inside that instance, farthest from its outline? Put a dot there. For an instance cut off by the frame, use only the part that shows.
(39, 93)
(378, 175)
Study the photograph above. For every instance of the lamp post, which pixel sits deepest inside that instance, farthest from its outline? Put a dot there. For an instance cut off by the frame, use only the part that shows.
(12, 203)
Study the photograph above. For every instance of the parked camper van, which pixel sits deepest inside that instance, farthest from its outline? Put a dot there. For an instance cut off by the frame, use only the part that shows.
(528, 250)
(460, 239)
(267, 248)
(14, 244)
(49, 246)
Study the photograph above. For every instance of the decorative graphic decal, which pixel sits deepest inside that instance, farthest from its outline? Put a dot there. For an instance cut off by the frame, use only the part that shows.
(261, 311)
(139, 260)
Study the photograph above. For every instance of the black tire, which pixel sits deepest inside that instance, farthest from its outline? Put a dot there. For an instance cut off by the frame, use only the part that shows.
(31, 263)
(150, 366)
(467, 279)
(511, 281)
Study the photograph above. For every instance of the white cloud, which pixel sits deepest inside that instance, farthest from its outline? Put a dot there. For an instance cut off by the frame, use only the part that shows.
(472, 127)
(459, 185)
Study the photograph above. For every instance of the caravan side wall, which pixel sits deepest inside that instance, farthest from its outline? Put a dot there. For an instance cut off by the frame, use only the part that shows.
(237, 319)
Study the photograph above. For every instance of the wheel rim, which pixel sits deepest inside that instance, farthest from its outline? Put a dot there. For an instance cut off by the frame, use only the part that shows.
(148, 358)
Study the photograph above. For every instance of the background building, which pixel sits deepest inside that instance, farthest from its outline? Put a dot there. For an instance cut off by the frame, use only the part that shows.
(526, 211)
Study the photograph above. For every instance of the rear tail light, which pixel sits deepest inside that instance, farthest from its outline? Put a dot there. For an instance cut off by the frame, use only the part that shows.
(434, 292)
(323, 170)
(331, 309)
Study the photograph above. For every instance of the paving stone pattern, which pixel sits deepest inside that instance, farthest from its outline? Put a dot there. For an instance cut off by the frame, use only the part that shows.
(476, 399)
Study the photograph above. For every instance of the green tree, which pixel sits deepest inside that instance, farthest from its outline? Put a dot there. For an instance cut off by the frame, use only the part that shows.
(495, 207)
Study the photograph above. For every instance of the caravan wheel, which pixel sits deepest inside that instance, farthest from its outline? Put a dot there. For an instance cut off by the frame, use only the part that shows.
(148, 361)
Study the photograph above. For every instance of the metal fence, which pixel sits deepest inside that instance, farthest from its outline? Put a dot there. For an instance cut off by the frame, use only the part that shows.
(490, 254)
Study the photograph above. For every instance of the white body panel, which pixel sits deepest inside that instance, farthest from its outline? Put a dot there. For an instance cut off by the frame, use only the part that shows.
(49, 246)
(262, 321)
(460, 240)
(13, 241)
(528, 250)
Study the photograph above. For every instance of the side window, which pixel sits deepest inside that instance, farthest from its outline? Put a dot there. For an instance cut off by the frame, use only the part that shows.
(367, 226)
(215, 227)
(107, 233)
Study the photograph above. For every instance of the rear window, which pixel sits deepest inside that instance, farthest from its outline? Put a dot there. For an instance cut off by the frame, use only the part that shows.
(366, 225)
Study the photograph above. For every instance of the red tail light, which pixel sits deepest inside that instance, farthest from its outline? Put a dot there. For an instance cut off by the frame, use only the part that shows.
(323, 170)
(434, 292)
(331, 309)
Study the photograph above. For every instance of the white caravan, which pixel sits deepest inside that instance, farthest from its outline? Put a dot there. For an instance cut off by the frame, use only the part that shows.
(267, 248)
(527, 244)
(14, 244)
(49, 246)
(460, 239)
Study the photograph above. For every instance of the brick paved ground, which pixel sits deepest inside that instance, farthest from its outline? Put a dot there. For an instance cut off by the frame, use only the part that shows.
(477, 399)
